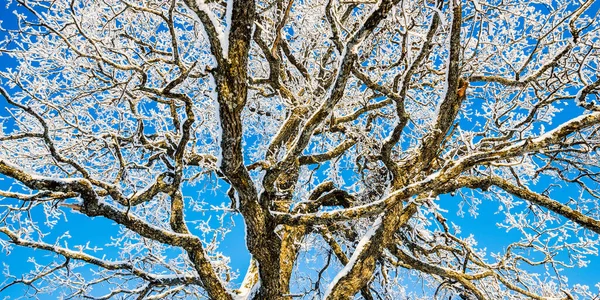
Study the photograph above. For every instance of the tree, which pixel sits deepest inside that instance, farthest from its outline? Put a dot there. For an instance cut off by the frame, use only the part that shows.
(339, 127)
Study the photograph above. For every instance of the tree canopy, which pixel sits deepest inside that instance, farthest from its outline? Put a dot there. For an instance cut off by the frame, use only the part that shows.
(339, 129)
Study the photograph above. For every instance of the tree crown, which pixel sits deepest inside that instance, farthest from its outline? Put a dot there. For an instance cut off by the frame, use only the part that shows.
(336, 130)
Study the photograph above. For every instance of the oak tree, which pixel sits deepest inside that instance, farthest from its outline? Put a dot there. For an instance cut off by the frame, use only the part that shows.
(340, 131)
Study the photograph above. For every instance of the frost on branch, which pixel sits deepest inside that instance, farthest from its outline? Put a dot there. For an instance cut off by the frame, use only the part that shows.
(348, 141)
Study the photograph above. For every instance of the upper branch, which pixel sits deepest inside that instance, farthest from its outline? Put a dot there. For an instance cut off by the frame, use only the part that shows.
(450, 106)
(212, 27)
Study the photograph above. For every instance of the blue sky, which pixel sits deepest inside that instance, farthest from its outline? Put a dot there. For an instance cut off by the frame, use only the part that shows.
(98, 230)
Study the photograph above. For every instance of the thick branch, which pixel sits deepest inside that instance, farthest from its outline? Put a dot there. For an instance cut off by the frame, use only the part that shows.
(451, 103)
(93, 207)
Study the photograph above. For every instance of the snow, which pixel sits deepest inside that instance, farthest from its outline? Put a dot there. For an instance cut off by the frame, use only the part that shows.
(560, 127)
(579, 97)
(225, 37)
(339, 212)
(237, 200)
(440, 14)
(222, 32)
(245, 291)
(63, 181)
(366, 239)
(218, 130)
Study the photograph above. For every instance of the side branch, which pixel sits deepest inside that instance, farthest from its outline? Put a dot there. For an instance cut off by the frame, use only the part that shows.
(335, 152)
(451, 104)
(211, 26)
(533, 197)
(350, 56)
(92, 206)
(105, 264)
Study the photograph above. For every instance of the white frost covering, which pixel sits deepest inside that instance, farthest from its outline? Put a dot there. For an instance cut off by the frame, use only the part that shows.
(366, 239)
(224, 38)
(245, 291)
(552, 132)
(222, 32)
(578, 97)
(440, 14)
(64, 181)
(387, 197)
(560, 127)
(219, 129)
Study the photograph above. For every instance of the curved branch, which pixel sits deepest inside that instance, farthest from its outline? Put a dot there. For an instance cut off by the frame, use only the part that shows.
(533, 197)
(92, 206)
